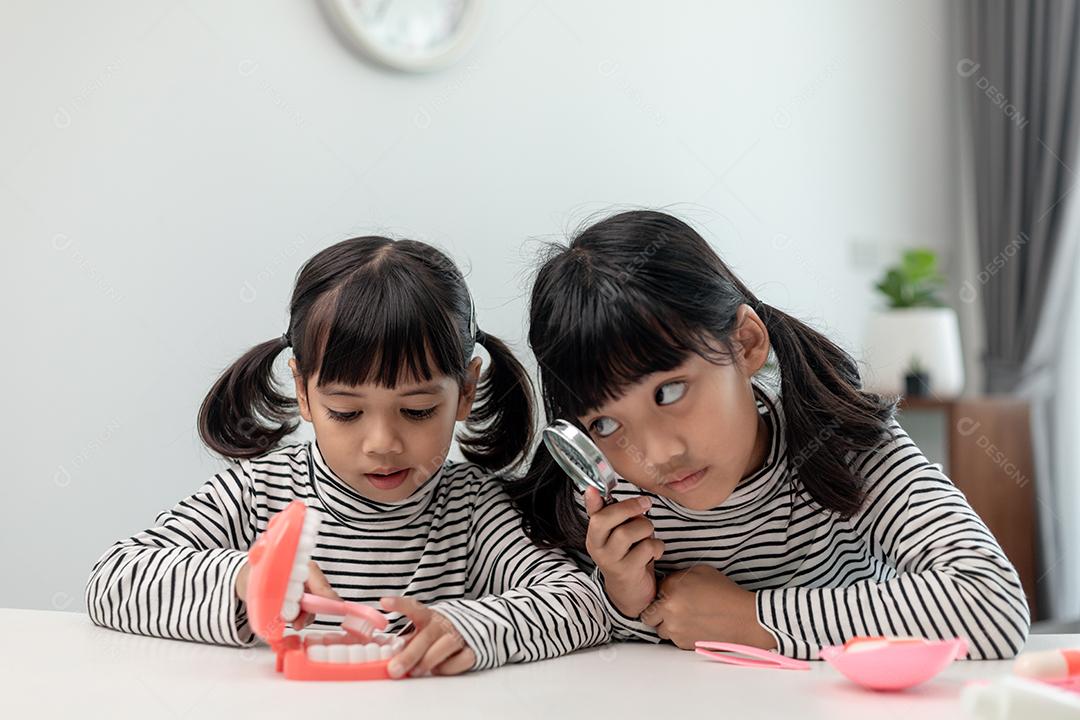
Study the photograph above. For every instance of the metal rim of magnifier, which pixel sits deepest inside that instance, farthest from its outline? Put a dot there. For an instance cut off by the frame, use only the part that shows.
(588, 453)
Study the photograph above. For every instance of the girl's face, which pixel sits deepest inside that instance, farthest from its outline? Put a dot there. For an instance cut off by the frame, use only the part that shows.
(692, 433)
(386, 443)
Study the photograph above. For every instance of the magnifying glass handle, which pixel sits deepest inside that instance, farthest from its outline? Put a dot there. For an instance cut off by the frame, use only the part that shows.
(609, 496)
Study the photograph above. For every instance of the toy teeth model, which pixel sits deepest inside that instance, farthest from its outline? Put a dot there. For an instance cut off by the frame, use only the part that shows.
(275, 596)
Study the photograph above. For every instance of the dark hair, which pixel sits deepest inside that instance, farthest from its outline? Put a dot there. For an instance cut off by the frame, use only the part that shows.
(635, 294)
(365, 310)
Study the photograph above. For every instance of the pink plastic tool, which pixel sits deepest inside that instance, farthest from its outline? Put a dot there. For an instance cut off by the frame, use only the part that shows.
(275, 596)
(747, 656)
(1071, 684)
(892, 663)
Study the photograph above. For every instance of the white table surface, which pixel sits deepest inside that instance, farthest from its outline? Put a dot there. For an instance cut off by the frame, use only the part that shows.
(55, 664)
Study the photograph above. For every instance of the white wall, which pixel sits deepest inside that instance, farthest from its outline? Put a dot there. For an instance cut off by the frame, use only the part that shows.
(167, 166)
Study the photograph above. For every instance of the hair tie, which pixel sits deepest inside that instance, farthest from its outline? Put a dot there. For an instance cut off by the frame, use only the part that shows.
(285, 339)
(474, 330)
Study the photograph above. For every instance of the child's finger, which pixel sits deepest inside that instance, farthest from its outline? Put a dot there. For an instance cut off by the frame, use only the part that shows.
(604, 521)
(416, 611)
(627, 535)
(643, 551)
(653, 615)
(412, 653)
(440, 651)
(317, 584)
(594, 501)
(457, 663)
(302, 620)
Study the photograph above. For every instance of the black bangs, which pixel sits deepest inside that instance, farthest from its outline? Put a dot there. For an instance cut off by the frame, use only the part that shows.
(632, 295)
(604, 339)
(613, 345)
(371, 310)
(385, 326)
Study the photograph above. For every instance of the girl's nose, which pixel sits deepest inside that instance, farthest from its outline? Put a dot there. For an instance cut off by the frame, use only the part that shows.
(380, 438)
(662, 448)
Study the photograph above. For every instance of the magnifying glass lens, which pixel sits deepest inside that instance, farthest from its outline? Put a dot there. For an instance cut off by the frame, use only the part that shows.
(579, 457)
(567, 451)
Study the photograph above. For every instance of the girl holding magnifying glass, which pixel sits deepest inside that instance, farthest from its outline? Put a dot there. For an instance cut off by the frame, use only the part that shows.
(786, 513)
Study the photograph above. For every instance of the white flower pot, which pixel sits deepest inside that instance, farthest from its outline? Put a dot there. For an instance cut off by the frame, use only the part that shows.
(895, 337)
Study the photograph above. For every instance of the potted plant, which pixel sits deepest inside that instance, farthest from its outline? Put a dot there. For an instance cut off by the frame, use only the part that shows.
(917, 380)
(915, 331)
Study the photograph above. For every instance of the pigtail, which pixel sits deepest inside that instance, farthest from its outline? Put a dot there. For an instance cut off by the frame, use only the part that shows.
(827, 414)
(500, 426)
(245, 414)
(546, 500)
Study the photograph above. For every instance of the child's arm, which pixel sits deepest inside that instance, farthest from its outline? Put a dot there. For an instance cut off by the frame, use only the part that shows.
(177, 580)
(530, 603)
(623, 627)
(952, 577)
(622, 540)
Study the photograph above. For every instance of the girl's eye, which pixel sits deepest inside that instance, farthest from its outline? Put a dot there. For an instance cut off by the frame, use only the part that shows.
(342, 416)
(670, 392)
(604, 426)
(420, 414)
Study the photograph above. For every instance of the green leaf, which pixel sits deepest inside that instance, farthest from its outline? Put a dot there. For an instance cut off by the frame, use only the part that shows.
(915, 282)
(925, 298)
(892, 285)
(919, 264)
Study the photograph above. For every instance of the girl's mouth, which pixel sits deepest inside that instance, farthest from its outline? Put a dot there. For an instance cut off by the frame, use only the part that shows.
(388, 480)
(688, 482)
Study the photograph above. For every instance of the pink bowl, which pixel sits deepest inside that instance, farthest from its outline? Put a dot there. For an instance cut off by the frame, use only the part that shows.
(893, 664)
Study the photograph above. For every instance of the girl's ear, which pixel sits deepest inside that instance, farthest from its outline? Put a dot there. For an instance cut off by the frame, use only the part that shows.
(468, 392)
(751, 340)
(301, 391)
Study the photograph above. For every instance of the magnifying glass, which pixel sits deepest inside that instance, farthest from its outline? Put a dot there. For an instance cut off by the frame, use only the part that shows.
(579, 458)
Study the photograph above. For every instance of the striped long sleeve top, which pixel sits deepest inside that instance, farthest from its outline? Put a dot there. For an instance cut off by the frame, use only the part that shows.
(456, 545)
(915, 560)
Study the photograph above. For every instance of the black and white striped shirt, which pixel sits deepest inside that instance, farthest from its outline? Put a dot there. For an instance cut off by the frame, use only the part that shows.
(915, 560)
(456, 544)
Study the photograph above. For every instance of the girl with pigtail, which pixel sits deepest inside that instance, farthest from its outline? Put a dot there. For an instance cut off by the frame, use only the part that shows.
(382, 336)
(783, 510)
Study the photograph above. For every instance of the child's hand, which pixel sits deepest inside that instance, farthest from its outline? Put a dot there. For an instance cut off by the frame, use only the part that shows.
(435, 647)
(621, 542)
(316, 584)
(704, 604)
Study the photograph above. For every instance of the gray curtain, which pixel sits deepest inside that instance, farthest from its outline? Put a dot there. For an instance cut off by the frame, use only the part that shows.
(1022, 116)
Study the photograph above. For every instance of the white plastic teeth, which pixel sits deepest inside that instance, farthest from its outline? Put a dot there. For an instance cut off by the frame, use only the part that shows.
(335, 648)
(309, 535)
